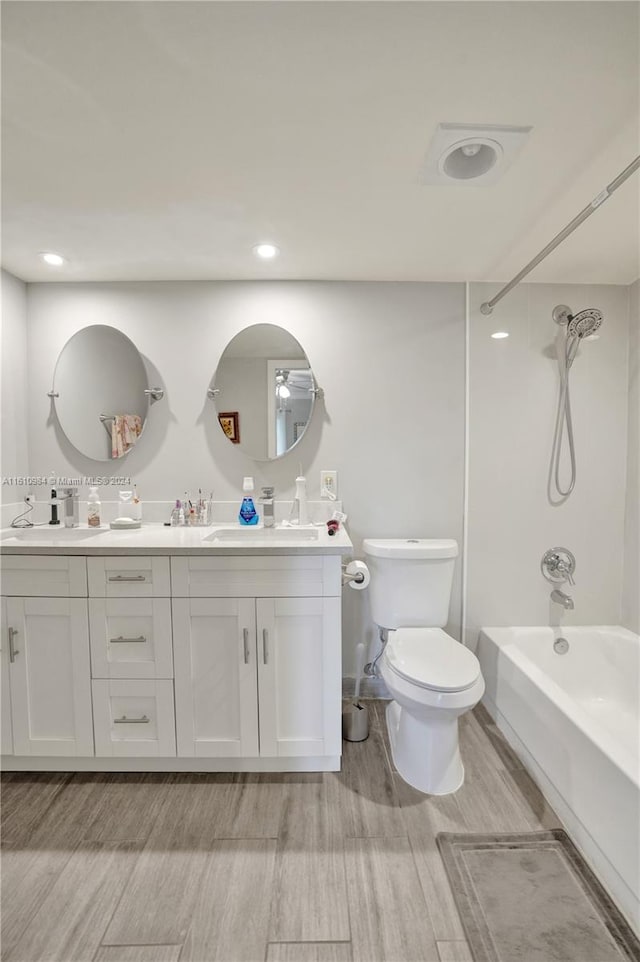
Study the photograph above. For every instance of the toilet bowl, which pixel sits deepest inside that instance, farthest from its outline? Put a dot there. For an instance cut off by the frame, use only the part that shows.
(432, 680)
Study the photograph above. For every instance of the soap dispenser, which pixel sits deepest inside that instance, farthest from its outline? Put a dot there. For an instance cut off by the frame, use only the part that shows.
(248, 513)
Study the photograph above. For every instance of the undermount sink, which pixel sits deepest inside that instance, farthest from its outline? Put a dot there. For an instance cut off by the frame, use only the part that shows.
(47, 532)
(262, 535)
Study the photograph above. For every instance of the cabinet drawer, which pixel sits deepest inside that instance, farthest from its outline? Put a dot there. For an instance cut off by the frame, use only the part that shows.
(133, 717)
(44, 576)
(245, 576)
(130, 637)
(129, 577)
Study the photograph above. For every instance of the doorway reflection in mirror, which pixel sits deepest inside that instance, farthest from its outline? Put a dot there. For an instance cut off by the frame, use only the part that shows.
(294, 398)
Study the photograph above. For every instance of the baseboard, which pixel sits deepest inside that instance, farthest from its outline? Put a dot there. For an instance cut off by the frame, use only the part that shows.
(72, 763)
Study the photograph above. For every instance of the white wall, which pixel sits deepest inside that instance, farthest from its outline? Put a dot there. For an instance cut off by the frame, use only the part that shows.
(390, 358)
(14, 383)
(631, 584)
(512, 400)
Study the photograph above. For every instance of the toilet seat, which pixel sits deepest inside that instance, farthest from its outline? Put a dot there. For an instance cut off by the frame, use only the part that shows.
(430, 658)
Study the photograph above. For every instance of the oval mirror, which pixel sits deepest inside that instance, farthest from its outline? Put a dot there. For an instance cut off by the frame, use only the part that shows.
(264, 391)
(100, 382)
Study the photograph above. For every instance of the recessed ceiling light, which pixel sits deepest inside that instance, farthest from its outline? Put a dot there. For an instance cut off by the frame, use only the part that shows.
(500, 334)
(266, 251)
(54, 260)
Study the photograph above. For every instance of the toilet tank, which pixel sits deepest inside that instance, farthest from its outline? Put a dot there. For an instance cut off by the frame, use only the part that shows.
(411, 580)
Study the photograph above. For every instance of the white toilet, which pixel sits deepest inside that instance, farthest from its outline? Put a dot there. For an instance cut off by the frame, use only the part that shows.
(431, 677)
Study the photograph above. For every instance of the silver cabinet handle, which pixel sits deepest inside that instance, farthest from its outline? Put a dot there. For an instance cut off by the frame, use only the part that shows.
(13, 651)
(245, 637)
(120, 640)
(127, 577)
(131, 721)
(265, 646)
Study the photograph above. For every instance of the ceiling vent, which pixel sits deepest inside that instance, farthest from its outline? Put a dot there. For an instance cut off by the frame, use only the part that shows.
(471, 154)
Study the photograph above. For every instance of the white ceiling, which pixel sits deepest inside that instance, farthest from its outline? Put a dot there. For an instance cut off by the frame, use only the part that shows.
(162, 140)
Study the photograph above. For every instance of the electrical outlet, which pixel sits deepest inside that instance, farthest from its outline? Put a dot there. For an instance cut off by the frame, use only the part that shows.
(329, 485)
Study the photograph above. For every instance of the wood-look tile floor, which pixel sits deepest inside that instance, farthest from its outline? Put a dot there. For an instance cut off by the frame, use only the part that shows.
(334, 867)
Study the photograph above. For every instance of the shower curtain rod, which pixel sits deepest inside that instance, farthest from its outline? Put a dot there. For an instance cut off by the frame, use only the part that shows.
(488, 306)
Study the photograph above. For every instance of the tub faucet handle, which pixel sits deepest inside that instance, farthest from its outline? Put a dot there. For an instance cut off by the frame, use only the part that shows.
(558, 566)
(565, 569)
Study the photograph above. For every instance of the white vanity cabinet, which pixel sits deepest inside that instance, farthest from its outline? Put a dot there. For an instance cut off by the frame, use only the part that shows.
(193, 660)
(257, 676)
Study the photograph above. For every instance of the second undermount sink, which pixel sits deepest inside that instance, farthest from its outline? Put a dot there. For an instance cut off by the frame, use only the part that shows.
(263, 535)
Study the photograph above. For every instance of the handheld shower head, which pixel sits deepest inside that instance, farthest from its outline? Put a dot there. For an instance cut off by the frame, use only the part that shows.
(584, 323)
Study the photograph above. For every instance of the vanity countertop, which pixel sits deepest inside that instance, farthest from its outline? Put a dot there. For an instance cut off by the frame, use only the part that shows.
(158, 539)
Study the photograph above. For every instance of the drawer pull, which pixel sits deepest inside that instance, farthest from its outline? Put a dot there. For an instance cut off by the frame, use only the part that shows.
(127, 577)
(245, 636)
(13, 651)
(265, 646)
(131, 721)
(121, 640)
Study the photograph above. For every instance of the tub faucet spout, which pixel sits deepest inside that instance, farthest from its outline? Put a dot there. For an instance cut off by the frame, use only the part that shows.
(561, 599)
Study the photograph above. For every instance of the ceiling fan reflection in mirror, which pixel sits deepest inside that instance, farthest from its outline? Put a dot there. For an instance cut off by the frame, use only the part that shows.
(297, 382)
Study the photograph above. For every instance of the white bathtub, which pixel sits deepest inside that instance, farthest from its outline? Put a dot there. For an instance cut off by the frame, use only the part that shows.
(573, 719)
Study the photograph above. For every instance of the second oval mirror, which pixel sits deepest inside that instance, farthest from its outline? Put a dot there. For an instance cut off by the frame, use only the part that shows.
(264, 391)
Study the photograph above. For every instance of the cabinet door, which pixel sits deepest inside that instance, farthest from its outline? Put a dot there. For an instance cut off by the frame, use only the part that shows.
(214, 641)
(299, 676)
(50, 676)
(6, 733)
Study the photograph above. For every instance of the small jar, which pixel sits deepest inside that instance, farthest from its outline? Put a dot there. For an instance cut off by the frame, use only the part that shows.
(93, 508)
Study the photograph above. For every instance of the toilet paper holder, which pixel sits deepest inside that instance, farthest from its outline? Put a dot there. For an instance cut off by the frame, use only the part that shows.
(356, 575)
(348, 577)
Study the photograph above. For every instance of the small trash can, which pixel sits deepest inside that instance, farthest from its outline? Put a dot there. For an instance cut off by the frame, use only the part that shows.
(355, 722)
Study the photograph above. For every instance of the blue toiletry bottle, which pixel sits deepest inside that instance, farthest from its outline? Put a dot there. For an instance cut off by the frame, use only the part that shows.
(248, 513)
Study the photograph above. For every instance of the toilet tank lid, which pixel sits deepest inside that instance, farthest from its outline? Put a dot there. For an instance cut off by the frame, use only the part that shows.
(415, 548)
